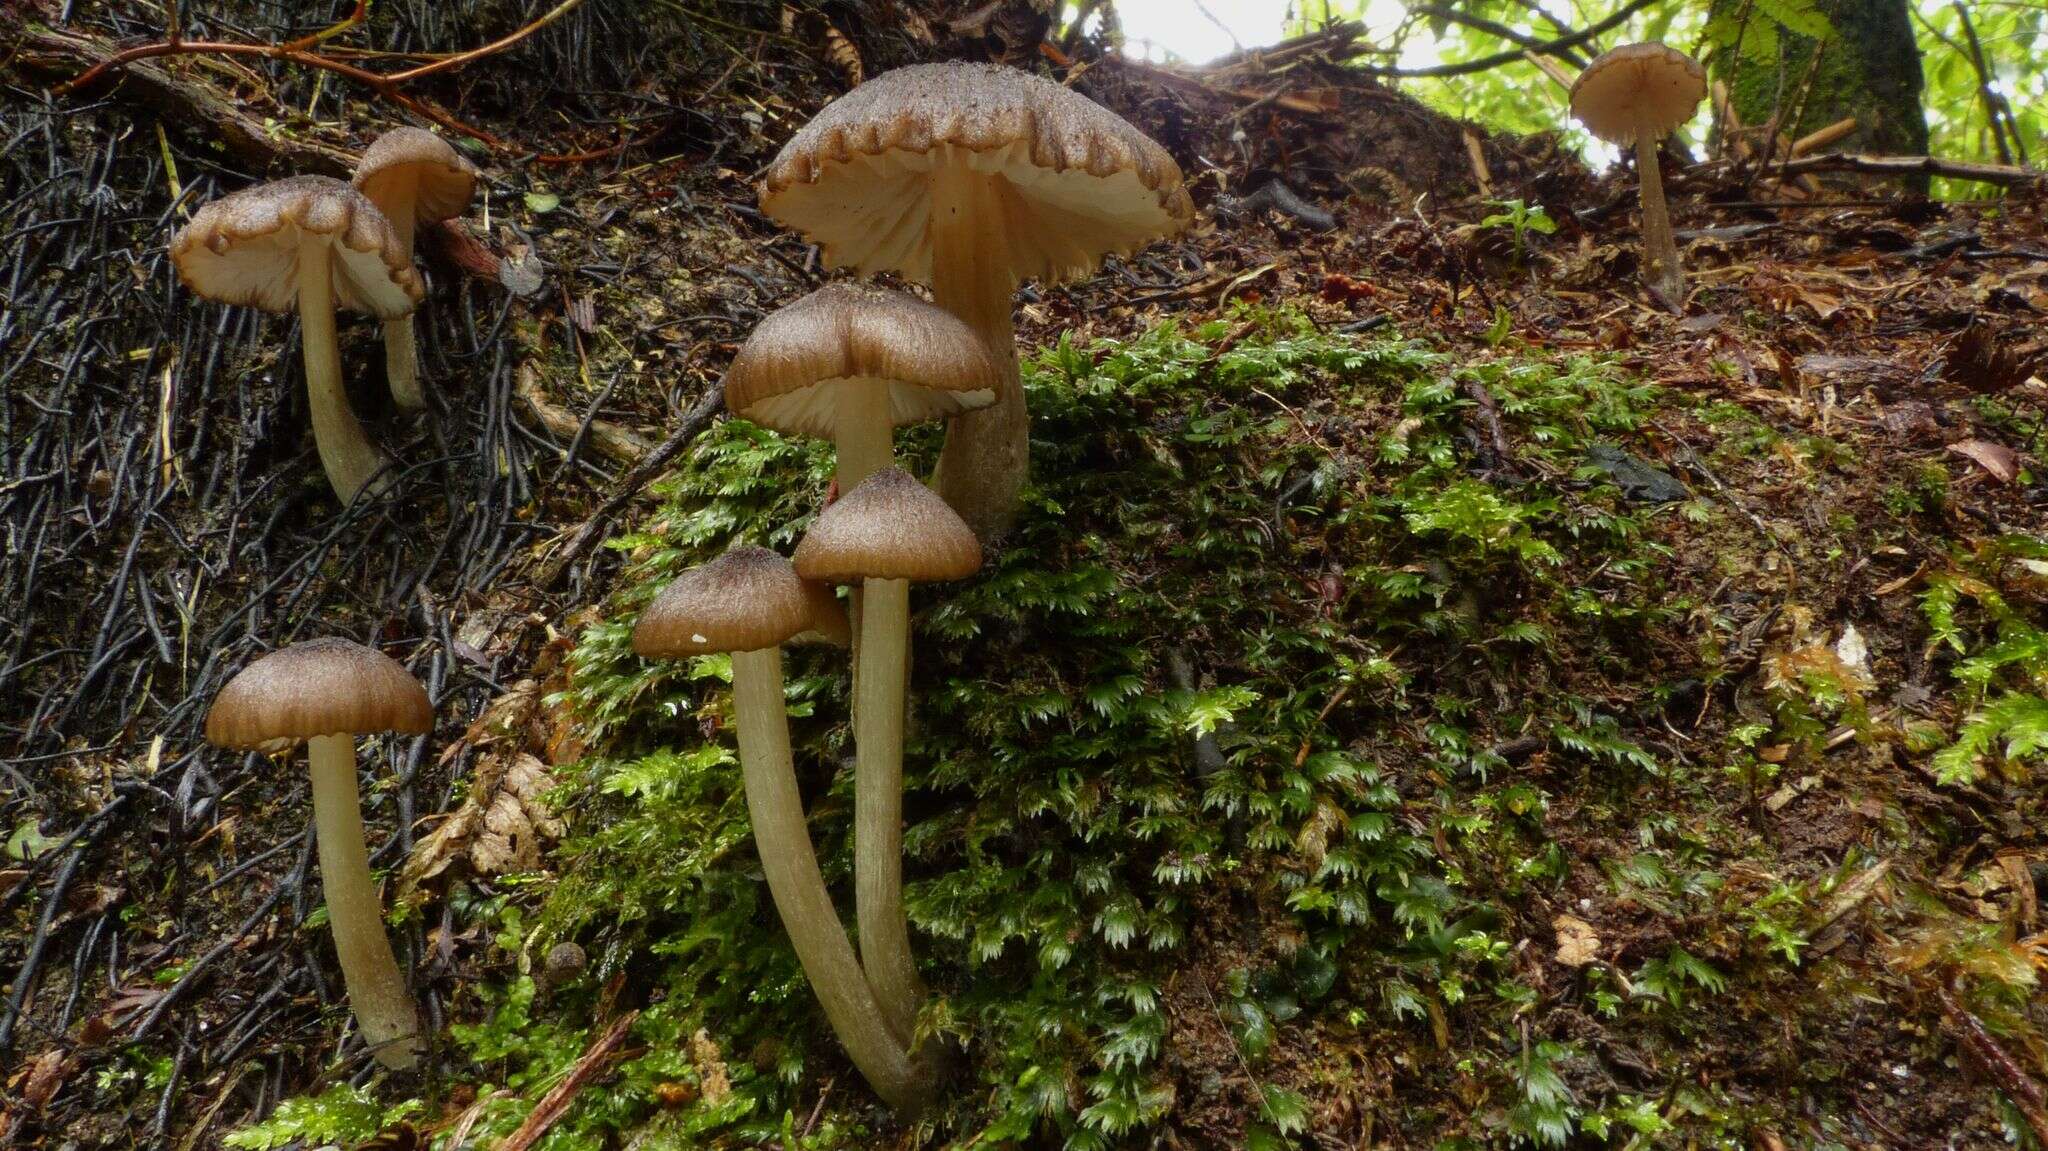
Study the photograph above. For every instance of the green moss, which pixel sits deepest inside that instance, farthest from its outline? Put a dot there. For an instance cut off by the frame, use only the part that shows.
(1210, 794)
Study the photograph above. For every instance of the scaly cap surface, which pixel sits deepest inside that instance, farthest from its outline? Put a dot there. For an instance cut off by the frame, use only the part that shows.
(1079, 181)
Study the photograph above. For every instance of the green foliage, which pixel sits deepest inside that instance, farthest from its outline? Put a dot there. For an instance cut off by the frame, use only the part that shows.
(341, 1114)
(1522, 218)
(1517, 97)
(1753, 29)
(2004, 670)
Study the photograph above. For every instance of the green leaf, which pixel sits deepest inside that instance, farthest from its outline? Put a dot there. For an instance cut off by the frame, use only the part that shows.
(28, 841)
(541, 203)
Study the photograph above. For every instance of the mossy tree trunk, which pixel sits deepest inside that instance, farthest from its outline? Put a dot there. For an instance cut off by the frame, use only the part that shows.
(1869, 68)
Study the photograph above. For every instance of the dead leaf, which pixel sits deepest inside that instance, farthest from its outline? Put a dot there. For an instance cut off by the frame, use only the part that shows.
(1994, 458)
(503, 826)
(1577, 943)
(517, 821)
(45, 1076)
(1978, 360)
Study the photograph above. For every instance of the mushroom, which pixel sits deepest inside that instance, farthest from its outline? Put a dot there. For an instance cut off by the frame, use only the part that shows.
(883, 534)
(306, 244)
(1636, 95)
(971, 178)
(324, 693)
(748, 602)
(415, 179)
(850, 363)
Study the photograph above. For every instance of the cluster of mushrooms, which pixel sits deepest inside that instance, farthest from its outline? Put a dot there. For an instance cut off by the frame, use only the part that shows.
(310, 244)
(968, 178)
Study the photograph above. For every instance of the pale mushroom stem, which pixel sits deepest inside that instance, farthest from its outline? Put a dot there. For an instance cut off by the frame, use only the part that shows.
(865, 440)
(376, 988)
(1661, 270)
(776, 811)
(878, 803)
(864, 444)
(350, 459)
(401, 351)
(987, 456)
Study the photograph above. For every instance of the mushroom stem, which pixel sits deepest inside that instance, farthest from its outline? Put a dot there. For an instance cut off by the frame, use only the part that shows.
(987, 456)
(376, 988)
(350, 459)
(865, 442)
(878, 803)
(1661, 270)
(402, 364)
(776, 811)
(401, 352)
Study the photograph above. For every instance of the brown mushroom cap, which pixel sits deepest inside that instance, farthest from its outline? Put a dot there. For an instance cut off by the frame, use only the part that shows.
(785, 375)
(244, 248)
(1636, 90)
(890, 527)
(320, 687)
(407, 162)
(1078, 180)
(745, 600)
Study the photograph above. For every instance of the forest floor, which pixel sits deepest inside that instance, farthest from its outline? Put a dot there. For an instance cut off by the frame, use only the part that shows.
(1436, 696)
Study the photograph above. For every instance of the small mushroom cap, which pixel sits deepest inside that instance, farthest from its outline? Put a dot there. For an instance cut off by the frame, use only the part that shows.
(1638, 90)
(790, 374)
(1078, 181)
(244, 248)
(410, 163)
(745, 600)
(888, 527)
(320, 687)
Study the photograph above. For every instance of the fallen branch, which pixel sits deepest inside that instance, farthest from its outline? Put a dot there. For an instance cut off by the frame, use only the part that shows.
(552, 1105)
(385, 85)
(1556, 47)
(2004, 175)
(656, 462)
(196, 107)
(611, 441)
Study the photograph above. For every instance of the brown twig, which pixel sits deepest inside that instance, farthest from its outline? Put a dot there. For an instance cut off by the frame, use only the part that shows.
(552, 1105)
(2012, 1079)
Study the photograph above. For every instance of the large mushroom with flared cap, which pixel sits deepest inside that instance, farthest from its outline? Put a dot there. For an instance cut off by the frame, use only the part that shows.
(972, 178)
(306, 244)
(882, 536)
(851, 363)
(749, 602)
(1636, 95)
(415, 179)
(324, 693)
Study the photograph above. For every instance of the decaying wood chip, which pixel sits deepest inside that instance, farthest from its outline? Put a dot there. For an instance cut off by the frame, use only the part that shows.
(1577, 943)
(712, 1078)
(1831, 928)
